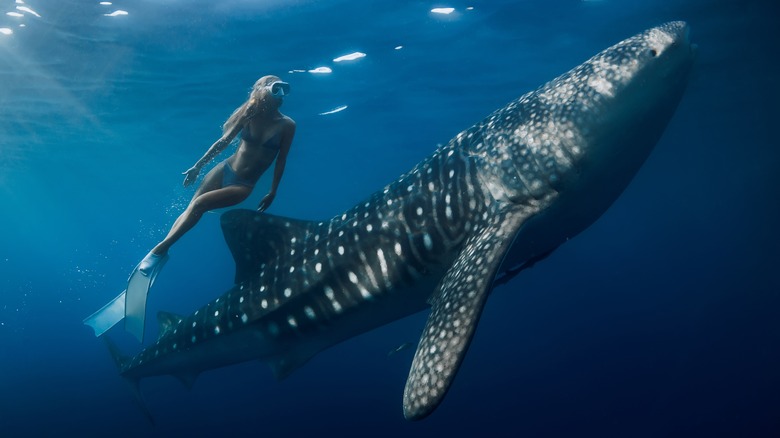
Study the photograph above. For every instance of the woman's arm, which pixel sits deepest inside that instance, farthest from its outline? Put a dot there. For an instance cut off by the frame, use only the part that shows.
(191, 174)
(281, 160)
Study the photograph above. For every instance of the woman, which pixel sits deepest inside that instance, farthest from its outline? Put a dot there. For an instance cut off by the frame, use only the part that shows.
(266, 134)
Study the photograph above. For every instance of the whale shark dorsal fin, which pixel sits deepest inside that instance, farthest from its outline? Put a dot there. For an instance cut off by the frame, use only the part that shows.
(168, 322)
(455, 310)
(256, 239)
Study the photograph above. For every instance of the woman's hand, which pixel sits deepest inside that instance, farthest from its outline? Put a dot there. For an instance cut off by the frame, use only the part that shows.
(190, 175)
(266, 202)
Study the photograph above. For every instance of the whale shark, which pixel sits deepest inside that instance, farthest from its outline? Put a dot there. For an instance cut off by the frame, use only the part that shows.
(497, 198)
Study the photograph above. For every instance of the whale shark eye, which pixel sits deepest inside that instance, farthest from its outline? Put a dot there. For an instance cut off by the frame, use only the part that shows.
(653, 53)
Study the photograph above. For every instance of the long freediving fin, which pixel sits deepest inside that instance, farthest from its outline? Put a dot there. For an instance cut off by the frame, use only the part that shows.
(108, 315)
(135, 300)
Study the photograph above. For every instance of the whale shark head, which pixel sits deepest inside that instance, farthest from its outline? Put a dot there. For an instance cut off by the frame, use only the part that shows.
(631, 91)
(591, 128)
(549, 163)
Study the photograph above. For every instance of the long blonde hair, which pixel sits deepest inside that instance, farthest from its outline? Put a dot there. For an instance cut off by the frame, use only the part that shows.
(248, 107)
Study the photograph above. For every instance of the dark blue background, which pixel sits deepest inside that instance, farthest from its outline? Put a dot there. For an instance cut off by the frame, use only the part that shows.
(662, 319)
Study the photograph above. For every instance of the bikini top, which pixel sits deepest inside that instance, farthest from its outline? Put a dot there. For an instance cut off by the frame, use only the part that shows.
(273, 143)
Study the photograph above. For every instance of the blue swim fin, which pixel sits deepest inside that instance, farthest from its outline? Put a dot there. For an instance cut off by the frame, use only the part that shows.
(137, 289)
(107, 316)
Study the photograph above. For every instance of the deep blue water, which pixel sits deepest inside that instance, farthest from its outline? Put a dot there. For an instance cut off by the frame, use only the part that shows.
(662, 319)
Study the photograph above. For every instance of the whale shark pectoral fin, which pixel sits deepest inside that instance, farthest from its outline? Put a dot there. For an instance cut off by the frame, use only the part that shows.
(455, 310)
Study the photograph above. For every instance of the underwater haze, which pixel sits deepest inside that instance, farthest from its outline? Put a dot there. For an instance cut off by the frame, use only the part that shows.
(661, 319)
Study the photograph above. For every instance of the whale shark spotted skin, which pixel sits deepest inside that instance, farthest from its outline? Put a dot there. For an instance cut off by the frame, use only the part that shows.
(496, 198)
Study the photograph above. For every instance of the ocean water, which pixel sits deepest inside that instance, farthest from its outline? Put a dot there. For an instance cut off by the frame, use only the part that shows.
(661, 319)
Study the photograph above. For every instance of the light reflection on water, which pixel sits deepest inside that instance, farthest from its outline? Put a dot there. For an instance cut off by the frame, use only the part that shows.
(88, 74)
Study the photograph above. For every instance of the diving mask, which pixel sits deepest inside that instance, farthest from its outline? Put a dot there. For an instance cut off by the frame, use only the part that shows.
(278, 89)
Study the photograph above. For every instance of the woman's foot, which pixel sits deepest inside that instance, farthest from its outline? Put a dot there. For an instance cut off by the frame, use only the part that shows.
(149, 264)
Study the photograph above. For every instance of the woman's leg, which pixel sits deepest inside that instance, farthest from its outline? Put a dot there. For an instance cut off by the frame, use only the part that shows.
(209, 196)
(220, 198)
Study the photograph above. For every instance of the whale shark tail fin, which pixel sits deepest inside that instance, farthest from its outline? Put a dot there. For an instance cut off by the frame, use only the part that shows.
(119, 359)
(121, 362)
